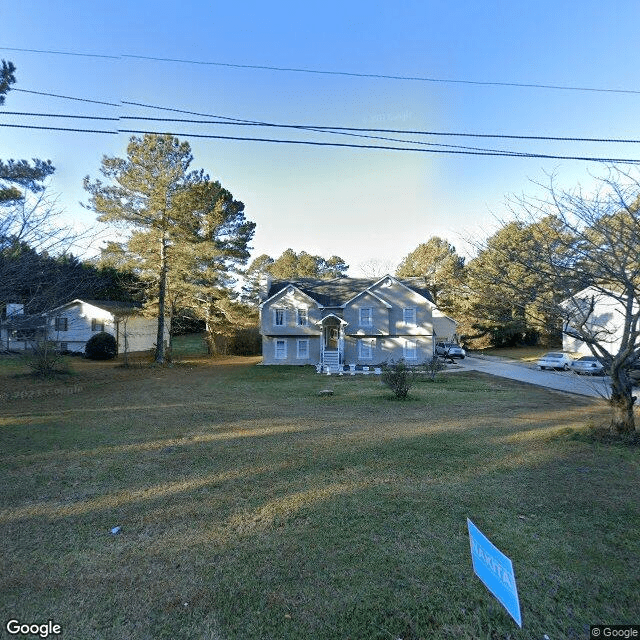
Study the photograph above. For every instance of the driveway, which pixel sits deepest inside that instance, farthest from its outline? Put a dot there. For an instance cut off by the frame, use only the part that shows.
(594, 386)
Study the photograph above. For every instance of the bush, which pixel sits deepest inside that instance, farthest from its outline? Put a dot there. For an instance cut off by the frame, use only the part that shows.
(46, 360)
(102, 346)
(399, 378)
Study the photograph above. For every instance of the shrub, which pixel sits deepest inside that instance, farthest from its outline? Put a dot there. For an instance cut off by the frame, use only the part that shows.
(102, 346)
(433, 366)
(399, 378)
(46, 360)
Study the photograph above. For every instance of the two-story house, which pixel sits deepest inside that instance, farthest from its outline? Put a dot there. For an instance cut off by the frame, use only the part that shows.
(350, 321)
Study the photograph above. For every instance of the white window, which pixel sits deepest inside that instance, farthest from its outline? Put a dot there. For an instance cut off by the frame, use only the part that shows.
(366, 316)
(303, 349)
(409, 316)
(365, 349)
(302, 318)
(281, 349)
(279, 317)
(97, 325)
(410, 350)
(61, 324)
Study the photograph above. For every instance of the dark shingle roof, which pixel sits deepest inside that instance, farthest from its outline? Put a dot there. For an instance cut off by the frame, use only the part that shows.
(334, 293)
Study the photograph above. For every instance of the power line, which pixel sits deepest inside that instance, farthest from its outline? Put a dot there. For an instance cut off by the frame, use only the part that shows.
(27, 126)
(62, 53)
(526, 85)
(351, 74)
(337, 144)
(55, 95)
(401, 131)
(236, 122)
(55, 115)
(226, 120)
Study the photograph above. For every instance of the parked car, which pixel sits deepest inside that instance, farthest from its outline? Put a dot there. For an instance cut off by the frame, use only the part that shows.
(588, 365)
(555, 360)
(450, 350)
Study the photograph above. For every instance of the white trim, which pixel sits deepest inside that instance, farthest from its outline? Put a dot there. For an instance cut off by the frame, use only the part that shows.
(275, 317)
(366, 354)
(283, 352)
(365, 324)
(377, 297)
(375, 284)
(287, 290)
(414, 322)
(343, 323)
(300, 356)
(406, 351)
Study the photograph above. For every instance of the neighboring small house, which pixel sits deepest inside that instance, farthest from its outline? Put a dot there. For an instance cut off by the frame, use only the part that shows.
(71, 325)
(350, 321)
(597, 312)
(20, 331)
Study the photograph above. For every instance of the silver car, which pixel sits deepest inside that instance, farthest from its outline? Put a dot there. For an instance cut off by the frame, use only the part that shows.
(555, 360)
(450, 350)
(588, 365)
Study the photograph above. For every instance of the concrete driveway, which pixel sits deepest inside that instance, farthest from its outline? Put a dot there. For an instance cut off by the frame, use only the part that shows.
(594, 386)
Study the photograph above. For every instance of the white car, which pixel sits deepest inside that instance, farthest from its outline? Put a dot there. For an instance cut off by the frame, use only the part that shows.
(588, 365)
(555, 360)
(450, 350)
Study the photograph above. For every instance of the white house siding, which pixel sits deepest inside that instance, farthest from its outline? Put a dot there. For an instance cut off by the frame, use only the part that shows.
(388, 331)
(140, 333)
(84, 320)
(379, 316)
(290, 300)
(606, 321)
(269, 354)
(78, 329)
(444, 328)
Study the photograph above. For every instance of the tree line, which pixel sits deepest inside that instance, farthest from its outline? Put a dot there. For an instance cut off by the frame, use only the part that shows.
(187, 242)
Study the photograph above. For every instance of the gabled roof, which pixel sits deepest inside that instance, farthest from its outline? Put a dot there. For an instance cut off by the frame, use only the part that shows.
(338, 291)
(287, 284)
(115, 307)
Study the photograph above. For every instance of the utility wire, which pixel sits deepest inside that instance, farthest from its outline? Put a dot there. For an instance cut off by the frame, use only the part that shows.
(380, 76)
(55, 115)
(400, 131)
(55, 95)
(344, 131)
(225, 120)
(260, 124)
(337, 144)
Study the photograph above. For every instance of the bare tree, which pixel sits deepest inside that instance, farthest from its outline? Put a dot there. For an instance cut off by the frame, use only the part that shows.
(572, 240)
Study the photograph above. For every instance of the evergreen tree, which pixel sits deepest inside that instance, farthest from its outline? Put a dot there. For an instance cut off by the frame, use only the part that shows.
(189, 234)
(441, 268)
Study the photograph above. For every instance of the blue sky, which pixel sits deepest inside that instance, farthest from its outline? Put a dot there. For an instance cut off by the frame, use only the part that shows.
(359, 204)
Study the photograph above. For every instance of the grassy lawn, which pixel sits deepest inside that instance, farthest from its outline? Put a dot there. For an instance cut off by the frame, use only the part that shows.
(251, 508)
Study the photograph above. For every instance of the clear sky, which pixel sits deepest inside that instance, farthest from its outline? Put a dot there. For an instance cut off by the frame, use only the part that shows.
(360, 204)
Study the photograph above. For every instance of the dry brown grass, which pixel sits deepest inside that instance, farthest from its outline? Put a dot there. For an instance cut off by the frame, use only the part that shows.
(252, 508)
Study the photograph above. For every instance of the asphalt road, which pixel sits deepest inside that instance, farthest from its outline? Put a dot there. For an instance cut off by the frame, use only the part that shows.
(594, 386)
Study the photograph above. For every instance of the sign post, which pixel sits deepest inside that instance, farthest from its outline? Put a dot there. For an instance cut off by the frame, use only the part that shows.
(495, 570)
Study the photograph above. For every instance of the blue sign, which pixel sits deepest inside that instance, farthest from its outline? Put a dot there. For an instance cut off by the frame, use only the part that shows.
(495, 570)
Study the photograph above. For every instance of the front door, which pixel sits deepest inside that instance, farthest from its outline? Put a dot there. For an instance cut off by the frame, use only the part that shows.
(331, 336)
